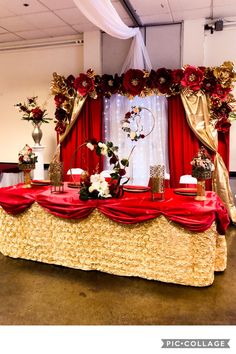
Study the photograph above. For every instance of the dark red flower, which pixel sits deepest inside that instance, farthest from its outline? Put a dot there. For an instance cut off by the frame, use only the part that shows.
(193, 78)
(223, 125)
(109, 85)
(122, 172)
(60, 114)
(134, 81)
(70, 81)
(220, 92)
(59, 99)
(151, 81)
(113, 160)
(60, 127)
(177, 76)
(84, 84)
(37, 113)
(163, 80)
(127, 115)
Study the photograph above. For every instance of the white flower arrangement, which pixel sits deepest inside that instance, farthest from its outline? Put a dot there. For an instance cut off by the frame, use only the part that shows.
(99, 184)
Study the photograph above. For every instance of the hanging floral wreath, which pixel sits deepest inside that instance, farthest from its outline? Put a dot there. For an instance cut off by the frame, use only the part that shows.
(133, 126)
(216, 82)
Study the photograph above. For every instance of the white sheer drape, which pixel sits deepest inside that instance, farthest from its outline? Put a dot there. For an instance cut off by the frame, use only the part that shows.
(104, 16)
(151, 150)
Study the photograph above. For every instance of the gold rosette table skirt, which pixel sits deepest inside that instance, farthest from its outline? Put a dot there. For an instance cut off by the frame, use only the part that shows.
(156, 249)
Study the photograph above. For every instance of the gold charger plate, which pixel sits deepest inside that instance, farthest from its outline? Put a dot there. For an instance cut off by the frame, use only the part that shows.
(136, 189)
(42, 182)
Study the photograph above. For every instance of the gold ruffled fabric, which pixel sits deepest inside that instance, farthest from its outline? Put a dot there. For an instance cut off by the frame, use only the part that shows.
(156, 249)
(198, 118)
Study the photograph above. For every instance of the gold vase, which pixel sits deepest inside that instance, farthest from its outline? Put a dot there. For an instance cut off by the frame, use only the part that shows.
(26, 168)
(201, 190)
(27, 179)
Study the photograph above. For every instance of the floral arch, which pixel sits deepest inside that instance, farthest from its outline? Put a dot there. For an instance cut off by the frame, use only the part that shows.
(203, 93)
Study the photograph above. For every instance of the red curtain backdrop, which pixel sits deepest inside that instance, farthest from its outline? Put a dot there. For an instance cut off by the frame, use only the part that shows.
(223, 147)
(88, 125)
(183, 144)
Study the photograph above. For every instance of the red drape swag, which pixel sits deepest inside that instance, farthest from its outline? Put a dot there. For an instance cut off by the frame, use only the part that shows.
(182, 142)
(88, 125)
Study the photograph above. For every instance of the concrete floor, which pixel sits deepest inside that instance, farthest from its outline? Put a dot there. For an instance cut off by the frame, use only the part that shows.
(34, 293)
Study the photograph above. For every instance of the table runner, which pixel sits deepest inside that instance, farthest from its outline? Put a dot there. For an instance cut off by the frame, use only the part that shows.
(129, 209)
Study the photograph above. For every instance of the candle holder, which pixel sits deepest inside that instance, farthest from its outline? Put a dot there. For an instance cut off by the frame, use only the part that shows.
(157, 182)
(56, 177)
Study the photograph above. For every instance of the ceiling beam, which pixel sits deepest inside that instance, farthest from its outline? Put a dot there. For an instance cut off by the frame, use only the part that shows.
(131, 12)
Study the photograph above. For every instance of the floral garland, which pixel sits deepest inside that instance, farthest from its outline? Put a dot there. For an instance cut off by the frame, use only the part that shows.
(216, 82)
(96, 186)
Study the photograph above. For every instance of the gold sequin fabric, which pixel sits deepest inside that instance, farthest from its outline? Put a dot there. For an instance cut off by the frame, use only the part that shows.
(156, 249)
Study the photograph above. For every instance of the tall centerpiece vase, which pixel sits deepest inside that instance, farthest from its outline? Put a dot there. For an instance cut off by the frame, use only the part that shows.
(157, 182)
(37, 133)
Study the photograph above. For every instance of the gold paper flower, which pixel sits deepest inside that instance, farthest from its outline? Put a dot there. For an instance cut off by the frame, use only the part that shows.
(225, 74)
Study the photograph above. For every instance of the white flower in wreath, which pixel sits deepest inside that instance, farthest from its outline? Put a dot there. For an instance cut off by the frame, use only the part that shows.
(90, 146)
(125, 125)
(103, 148)
(132, 135)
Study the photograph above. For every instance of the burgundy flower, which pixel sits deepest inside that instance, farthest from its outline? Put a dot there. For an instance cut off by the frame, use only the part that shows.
(60, 127)
(109, 85)
(163, 79)
(60, 114)
(70, 81)
(113, 160)
(84, 84)
(177, 76)
(151, 81)
(220, 92)
(122, 172)
(59, 99)
(223, 125)
(37, 113)
(134, 81)
(193, 78)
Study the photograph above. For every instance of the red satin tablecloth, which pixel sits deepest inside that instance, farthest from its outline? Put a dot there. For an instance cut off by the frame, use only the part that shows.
(130, 209)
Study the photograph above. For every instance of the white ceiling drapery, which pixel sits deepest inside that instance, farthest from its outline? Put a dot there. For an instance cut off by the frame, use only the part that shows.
(102, 14)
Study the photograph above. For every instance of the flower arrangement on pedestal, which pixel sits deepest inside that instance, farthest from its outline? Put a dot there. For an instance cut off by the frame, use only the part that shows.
(32, 112)
(96, 186)
(202, 168)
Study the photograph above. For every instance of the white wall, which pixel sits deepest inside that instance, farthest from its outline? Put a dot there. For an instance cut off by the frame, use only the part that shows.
(25, 73)
(163, 44)
(219, 47)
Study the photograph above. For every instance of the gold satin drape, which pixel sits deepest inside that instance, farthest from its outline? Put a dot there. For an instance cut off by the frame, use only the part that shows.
(78, 104)
(198, 118)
